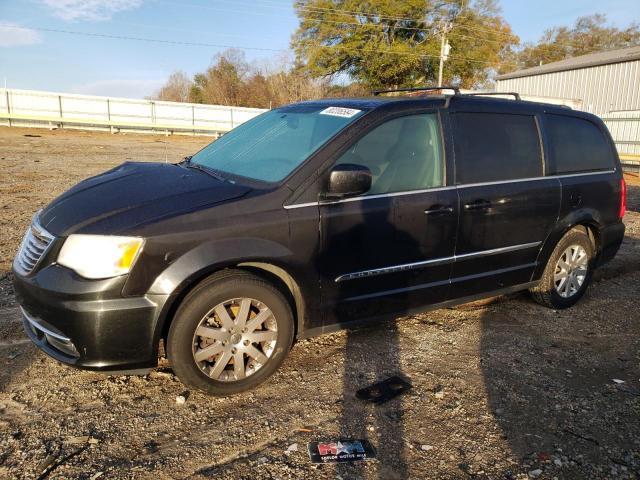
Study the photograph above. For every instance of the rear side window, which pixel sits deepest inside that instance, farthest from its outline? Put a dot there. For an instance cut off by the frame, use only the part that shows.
(576, 145)
(492, 147)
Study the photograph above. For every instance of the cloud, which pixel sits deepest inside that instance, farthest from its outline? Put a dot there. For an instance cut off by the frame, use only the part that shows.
(94, 10)
(12, 35)
(128, 88)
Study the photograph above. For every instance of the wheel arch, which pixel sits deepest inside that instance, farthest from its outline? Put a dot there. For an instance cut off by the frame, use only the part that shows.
(275, 274)
(584, 220)
(286, 283)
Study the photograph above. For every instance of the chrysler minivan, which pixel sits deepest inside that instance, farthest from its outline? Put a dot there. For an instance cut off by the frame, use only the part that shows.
(314, 217)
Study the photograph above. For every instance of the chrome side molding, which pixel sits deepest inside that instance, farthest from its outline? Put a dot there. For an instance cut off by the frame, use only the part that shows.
(449, 187)
(434, 262)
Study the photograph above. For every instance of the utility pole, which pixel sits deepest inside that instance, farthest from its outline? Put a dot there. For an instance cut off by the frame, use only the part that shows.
(444, 48)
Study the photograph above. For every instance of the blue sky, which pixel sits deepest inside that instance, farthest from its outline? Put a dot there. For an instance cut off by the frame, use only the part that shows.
(34, 57)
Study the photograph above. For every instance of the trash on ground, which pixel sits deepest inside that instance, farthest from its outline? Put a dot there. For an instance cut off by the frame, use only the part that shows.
(182, 398)
(77, 440)
(384, 391)
(339, 451)
(618, 381)
(291, 448)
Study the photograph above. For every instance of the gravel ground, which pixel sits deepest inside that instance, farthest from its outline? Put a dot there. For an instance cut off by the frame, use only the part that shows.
(501, 389)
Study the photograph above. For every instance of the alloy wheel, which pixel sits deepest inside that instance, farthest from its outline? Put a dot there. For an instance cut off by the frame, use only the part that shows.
(235, 339)
(571, 271)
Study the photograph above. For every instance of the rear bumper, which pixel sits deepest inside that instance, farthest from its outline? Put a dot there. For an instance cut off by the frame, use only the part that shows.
(88, 324)
(610, 240)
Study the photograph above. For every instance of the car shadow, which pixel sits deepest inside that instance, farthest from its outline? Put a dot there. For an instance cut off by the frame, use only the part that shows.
(372, 354)
(549, 384)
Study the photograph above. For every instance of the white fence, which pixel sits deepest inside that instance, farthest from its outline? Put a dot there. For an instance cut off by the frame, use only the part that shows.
(30, 108)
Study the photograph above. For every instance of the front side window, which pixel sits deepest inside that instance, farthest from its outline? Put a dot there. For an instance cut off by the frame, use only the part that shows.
(492, 147)
(403, 154)
(270, 146)
(577, 145)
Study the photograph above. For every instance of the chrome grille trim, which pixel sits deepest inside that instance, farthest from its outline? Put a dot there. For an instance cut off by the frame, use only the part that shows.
(36, 324)
(34, 245)
(44, 335)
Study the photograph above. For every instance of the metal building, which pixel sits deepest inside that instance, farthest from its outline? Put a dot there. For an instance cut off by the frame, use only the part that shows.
(604, 83)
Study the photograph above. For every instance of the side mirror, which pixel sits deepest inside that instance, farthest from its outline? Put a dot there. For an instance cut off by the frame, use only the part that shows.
(348, 180)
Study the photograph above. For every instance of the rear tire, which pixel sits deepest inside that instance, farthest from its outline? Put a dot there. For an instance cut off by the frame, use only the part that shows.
(230, 333)
(568, 272)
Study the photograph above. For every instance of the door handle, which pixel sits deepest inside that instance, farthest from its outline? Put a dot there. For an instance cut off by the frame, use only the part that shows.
(439, 210)
(478, 205)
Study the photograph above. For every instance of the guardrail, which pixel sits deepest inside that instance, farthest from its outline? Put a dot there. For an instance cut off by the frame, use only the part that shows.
(114, 126)
(29, 108)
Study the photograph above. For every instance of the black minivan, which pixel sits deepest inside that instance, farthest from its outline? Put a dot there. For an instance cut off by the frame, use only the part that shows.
(314, 217)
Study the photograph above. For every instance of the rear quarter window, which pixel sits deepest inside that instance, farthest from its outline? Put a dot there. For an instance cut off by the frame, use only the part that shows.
(492, 147)
(576, 145)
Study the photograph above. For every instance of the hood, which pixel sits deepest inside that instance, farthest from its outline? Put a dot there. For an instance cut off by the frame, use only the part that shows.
(131, 195)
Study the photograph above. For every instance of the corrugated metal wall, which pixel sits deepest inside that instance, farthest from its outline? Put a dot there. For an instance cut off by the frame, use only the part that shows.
(625, 130)
(602, 89)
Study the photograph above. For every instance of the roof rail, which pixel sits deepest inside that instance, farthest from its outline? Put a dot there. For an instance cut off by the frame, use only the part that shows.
(456, 90)
(480, 94)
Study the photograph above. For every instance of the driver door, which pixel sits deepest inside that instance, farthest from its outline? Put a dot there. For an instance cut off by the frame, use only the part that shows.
(390, 250)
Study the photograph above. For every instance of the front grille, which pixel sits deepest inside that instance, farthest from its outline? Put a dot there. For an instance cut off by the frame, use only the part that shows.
(34, 245)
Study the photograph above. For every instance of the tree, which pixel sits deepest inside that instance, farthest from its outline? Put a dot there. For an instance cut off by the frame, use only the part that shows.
(589, 34)
(176, 89)
(387, 43)
(222, 83)
(230, 80)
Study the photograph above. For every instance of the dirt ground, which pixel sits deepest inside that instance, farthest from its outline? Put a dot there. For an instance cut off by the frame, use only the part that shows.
(501, 389)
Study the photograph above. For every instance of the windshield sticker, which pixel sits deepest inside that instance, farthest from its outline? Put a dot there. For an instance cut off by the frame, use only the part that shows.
(340, 112)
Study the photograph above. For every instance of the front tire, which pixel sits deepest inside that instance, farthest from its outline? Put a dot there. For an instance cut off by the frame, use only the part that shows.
(568, 271)
(230, 333)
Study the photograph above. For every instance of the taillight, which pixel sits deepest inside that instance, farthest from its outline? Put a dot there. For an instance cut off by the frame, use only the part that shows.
(623, 198)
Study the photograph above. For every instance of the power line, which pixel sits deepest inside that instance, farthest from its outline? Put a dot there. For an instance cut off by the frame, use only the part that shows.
(214, 45)
(143, 39)
(320, 10)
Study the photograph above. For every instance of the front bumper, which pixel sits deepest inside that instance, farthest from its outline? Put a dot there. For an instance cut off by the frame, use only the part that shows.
(87, 323)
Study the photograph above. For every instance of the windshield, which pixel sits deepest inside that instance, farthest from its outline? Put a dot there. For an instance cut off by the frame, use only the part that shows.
(270, 146)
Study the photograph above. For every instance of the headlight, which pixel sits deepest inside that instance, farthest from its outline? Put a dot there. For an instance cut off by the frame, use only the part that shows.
(99, 256)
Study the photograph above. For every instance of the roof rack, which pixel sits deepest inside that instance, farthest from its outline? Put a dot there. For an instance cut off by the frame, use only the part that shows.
(480, 94)
(456, 90)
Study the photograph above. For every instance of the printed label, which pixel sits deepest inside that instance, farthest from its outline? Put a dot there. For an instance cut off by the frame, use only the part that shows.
(340, 112)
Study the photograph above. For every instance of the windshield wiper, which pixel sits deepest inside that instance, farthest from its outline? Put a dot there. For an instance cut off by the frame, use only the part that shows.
(196, 166)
